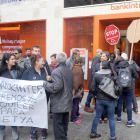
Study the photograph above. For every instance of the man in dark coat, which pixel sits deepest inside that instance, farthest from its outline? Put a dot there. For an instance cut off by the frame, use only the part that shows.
(61, 88)
(96, 60)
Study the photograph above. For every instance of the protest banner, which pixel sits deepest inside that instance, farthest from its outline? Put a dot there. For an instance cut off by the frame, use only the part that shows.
(23, 103)
(112, 35)
(133, 34)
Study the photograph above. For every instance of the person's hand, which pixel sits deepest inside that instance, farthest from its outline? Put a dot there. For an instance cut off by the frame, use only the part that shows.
(44, 82)
(48, 78)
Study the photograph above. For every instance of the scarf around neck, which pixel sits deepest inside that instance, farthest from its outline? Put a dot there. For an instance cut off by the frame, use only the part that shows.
(98, 56)
(54, 66)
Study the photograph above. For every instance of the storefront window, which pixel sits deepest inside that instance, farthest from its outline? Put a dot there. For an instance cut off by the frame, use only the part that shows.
(79, 34)
(73, 3)
(23, 35)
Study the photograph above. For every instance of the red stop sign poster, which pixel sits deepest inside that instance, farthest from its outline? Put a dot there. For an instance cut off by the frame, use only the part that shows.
(112, 34)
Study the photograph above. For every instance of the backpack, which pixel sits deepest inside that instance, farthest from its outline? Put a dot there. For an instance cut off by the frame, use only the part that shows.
(125, 77)
(107, 87)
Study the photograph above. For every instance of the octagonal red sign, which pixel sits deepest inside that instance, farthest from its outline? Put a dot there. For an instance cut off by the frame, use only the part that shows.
(112, 34)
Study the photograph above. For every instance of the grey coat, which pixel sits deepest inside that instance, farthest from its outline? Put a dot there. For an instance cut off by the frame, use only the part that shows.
(69, 61)
(61, 89)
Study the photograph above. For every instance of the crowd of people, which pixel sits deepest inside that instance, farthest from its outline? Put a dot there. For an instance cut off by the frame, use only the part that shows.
(64, 87)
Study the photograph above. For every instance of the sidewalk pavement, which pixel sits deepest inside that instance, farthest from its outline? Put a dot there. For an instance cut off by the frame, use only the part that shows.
(82, 131)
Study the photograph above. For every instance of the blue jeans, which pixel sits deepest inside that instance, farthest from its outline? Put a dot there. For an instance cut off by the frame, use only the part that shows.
(128, 94)
(89, 97)
(110, 106)
(3, 127)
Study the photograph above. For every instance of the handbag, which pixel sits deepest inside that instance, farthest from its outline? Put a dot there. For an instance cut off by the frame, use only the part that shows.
(107, 87)
(77, 94)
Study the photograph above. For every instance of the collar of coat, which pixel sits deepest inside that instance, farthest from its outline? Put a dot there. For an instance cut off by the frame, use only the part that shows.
(104, 71)
(61, 64)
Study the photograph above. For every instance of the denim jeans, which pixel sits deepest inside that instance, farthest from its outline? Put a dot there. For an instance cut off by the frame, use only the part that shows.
(110, 106)
(128, 94)
(3, 127)
(89, 97)
(14, 131)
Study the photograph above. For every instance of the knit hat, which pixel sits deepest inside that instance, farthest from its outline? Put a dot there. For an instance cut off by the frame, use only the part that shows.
(124, 56)
(106, 65)
(61, 57)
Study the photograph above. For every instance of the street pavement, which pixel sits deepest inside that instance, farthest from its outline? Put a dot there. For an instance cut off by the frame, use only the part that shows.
(82, 131)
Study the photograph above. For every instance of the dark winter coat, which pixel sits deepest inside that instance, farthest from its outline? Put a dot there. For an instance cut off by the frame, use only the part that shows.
(96, 81)
(94, 62)
(61, 89)
(31, 74)
(14, 73)
(134, 74)
(97, 68)
(27, 64)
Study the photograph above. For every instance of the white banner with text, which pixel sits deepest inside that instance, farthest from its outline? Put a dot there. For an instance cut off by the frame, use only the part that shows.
(23, 103)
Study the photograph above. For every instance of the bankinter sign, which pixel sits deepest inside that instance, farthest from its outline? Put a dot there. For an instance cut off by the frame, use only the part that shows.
(10, 1)
(125, 6)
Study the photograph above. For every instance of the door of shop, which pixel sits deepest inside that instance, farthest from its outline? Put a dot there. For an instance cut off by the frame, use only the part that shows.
(122, 21)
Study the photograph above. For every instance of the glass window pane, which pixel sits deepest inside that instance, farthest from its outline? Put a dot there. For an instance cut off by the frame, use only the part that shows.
(79, 34)
(23, 35)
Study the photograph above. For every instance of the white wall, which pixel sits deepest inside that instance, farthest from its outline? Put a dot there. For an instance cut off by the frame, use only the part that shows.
(53, 11)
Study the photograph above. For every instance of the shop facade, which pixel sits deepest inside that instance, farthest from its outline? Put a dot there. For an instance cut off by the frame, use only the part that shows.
(54, 28)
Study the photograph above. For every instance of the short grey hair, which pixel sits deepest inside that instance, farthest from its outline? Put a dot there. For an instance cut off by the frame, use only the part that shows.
(107, 54)
(98, 51)
(61, 57)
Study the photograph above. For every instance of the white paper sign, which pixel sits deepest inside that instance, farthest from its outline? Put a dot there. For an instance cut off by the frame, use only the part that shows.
(23, 103)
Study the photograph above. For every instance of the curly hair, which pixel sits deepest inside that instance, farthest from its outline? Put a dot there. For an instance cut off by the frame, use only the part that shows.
(34, 58)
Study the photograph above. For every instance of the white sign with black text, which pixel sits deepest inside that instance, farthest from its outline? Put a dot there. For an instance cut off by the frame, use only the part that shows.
(23, 103)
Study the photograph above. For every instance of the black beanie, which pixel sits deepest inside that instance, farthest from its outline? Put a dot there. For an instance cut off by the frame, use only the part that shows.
(106, 65)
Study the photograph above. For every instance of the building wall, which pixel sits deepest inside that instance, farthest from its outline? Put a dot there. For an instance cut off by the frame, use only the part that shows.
(54, 12)
(29, 10)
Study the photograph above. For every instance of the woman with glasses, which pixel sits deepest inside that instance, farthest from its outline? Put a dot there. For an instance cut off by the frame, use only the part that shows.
(10, 69)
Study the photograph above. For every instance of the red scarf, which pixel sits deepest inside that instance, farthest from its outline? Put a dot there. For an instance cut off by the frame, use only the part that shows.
(54, 66)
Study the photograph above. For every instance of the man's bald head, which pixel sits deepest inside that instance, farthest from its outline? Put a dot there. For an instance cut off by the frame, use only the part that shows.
(99, 51)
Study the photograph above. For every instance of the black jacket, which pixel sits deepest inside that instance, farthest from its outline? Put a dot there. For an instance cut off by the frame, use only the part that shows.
(31, 75)
(134, 74)
(27, 64)
(95, 85)
(94, 62)
(14, 73)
